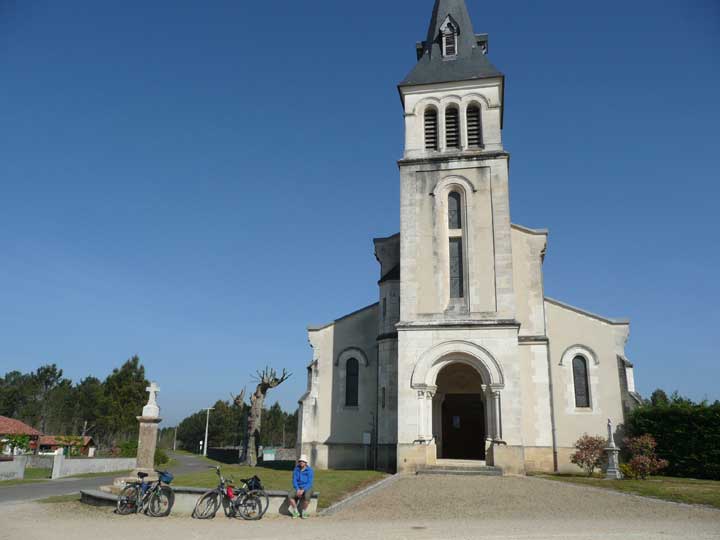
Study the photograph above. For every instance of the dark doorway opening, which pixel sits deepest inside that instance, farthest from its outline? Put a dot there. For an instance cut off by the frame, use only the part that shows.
(463, 426)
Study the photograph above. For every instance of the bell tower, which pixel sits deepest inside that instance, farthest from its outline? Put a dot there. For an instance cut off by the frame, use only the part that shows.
(455, 218)
(457, 300)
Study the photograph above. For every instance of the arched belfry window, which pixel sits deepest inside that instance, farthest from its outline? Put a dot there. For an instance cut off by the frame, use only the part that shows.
(352, 382)
(431, 129)
(580, 378)
(452, 127)
(474, 127)
(455, 238)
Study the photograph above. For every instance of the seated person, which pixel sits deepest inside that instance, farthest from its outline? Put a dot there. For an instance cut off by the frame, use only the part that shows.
(299, 497)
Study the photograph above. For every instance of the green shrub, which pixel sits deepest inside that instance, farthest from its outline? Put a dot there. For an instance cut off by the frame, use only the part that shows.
(687, 434)
(627, 471)
(161, 458)
(128, 449)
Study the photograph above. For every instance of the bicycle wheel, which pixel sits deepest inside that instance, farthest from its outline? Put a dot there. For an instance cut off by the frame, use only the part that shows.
(207, 505)
(161, 502)
(253, 505)
(127, 502)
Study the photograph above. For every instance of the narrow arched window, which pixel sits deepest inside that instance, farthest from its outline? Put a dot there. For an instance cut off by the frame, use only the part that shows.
(580, 377)
(454, 210)
(474, 127)
(431, 129)
(455, 252)
(352, 381)
(452, 127)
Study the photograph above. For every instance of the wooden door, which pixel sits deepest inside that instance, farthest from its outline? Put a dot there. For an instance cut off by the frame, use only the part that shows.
(463, 426)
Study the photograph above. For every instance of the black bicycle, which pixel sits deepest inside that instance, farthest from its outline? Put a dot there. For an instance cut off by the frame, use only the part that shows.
(155, 499)
(249, 502)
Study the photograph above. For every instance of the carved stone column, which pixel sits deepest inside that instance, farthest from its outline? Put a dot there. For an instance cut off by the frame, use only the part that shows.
(421, 415)
(497, 435)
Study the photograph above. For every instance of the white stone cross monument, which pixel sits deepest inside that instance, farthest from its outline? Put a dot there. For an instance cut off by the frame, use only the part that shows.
(613, 468)
(151, 410)
(147, 441)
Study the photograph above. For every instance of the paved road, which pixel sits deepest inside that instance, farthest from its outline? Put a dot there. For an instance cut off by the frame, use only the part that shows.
(65, 486)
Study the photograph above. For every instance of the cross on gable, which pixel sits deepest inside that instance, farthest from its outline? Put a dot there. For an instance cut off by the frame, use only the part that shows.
(153, 388)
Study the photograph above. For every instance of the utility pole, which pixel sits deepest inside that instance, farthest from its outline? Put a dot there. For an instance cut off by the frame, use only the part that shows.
(175, 440)
(207, 425)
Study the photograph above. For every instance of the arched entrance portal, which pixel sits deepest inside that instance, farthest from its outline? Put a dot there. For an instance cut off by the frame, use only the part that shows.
(459, 413)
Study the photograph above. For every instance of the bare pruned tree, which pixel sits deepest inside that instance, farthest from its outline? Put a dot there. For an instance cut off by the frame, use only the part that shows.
(266, 379)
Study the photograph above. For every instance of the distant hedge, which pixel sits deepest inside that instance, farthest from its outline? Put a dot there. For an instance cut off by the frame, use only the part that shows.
(687, 434)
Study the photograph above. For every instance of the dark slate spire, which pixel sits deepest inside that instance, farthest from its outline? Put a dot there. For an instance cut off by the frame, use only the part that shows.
(469, 63)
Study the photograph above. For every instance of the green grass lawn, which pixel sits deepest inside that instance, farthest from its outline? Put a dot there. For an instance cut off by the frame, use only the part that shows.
(685, 490)
(332, 485)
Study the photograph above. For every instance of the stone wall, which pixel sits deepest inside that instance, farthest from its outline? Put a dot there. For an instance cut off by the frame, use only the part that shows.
(13, 470)
(39, 462)
(63, 466)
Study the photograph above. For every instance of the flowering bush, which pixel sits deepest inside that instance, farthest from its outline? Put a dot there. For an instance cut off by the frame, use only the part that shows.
(590, 453)
(644, 462)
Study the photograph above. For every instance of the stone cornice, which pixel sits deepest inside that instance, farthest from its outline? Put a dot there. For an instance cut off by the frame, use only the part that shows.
(531, 340)
(460, 156)
(458, 324)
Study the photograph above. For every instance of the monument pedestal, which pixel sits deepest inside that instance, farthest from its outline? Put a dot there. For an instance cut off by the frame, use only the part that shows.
(147, 442)
(613, 454)
(613, 468)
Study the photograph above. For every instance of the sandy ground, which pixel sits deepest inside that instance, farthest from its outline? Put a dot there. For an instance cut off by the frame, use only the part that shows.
(411, 508)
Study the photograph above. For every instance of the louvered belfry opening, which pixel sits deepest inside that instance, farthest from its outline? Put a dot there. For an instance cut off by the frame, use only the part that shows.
(431, 129)
(452, 128)
(474, 128)
(450, 42)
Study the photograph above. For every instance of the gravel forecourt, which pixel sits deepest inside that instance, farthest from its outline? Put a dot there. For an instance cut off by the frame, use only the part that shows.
(422, 508)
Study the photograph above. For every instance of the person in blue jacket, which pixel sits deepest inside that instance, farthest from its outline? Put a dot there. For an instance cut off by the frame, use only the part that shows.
(299, 497)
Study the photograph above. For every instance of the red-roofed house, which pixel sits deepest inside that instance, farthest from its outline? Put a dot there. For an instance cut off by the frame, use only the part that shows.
(72, 445)
(10, 426)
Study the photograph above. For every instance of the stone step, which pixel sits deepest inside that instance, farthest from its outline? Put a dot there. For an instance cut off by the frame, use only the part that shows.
(462, 471)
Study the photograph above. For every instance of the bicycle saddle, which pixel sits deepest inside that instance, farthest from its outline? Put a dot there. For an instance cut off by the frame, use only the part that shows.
(142, 475)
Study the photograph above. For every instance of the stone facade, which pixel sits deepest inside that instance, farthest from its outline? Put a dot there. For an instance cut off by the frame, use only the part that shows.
(522, 404)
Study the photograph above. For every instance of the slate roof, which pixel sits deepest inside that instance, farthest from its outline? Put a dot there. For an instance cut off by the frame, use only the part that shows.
(392, 275)
(10, 426)
(470, 63)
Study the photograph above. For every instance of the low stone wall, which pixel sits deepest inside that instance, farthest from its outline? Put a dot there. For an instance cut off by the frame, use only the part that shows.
(187, 497)
(63, 466)
(39, 462)
(13, 470)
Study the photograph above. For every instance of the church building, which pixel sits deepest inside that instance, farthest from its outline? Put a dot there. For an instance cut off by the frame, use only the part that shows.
(463, 357)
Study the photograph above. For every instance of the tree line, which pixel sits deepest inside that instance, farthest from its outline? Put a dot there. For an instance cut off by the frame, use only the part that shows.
(105, 410)
(228, 427)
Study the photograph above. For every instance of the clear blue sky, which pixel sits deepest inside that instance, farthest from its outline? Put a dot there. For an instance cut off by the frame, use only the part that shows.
(196, 182)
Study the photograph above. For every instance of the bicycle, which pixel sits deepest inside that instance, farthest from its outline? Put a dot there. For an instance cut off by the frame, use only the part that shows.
(153, 499)
(249, 502)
